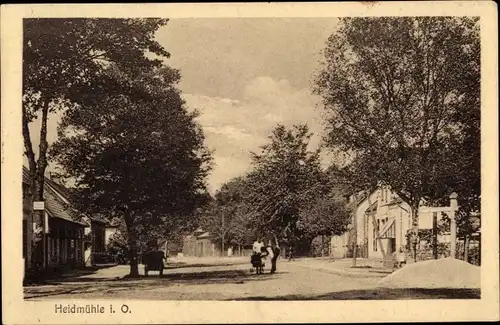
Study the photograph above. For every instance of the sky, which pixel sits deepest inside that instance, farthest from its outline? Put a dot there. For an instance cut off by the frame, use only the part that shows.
(244, 76)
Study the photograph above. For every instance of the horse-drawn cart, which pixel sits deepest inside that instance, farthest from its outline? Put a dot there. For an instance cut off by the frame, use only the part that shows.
(153, 261)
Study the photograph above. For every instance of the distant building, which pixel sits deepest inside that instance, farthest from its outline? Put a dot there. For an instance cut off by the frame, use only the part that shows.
(98, 234)
(200, 244)
(393, 219)
(72, 239)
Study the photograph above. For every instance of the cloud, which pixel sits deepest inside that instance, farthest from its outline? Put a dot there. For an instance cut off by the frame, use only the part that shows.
(235, 128)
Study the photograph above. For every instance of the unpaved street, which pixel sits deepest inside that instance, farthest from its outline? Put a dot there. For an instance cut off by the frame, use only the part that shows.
(230, 279)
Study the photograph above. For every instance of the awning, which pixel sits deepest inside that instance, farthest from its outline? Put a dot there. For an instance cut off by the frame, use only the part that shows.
(384, 232)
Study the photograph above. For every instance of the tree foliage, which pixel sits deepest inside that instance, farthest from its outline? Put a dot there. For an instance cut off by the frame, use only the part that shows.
(227, 217)
(62, 59)
(136, 154)
(65, 58)
(402, 96)
(286, 177)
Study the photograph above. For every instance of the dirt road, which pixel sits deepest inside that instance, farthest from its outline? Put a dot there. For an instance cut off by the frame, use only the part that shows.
(227, 280)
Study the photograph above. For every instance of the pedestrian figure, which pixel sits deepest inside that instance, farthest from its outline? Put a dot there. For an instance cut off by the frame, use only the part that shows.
(257, 245)
(401, 257)
(290, 253)
(256, 260)
(269, 253)
(274, 260)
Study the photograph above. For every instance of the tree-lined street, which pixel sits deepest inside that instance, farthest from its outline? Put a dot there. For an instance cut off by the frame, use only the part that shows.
(231, 279)
(400, 104)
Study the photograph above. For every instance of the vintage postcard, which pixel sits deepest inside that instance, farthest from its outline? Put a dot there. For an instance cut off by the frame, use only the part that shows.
(237, 163)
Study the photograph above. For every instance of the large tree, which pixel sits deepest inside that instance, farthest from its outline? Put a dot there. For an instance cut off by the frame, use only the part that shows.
(227, 216)
(287, 176)
(138, 155)
(396, 90)
(62, 58)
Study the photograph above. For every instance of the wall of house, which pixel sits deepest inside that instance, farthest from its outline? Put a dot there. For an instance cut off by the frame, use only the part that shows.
(108, 233)
(386, 211)
(64, 244)
(401, 213)
(339, 246)
(189, 246)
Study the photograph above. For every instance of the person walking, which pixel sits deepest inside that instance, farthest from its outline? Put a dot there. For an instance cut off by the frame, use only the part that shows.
(290, 253)
(256, 259)
(274, 259)
(268, 252)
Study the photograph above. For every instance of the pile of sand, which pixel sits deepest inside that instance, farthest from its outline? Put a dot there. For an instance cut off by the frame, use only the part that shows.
(433, 274)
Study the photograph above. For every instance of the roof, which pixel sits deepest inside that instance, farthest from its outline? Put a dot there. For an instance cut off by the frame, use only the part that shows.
(58, 209)
(61, 189)
(205, 235)
(55, 207)
(67, 194)
(99, 219)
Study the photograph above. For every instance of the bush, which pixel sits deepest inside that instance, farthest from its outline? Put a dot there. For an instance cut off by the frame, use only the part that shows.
(424, 252)
(118, 249)
(316, 246)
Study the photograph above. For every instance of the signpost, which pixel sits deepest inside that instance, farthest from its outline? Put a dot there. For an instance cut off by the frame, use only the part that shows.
(39, 206)
(434, 236)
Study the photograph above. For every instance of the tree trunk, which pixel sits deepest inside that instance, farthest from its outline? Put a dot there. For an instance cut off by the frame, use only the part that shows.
(322, 246)
(222, 245)
(28, 146)
(466, 247)
(40, 178)
(414, 223)
(132, 243)
(42, 154)
(223, 233)
(434, 236)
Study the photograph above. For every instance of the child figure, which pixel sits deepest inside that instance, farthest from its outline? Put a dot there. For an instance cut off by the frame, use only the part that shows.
(401, 257)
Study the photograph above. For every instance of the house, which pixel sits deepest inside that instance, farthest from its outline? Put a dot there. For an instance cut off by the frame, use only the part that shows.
(64, 229)
(201, 244)
(392, 219)
(97, 234)
(73, 239)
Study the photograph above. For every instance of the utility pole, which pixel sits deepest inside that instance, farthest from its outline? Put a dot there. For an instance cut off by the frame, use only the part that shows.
(355, 239)
(453, 224)
(223, 233)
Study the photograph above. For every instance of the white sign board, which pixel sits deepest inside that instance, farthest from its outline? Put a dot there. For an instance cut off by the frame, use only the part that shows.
(39, 205)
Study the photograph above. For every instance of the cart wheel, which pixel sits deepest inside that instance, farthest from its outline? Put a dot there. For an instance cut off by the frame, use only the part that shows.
(146, 271)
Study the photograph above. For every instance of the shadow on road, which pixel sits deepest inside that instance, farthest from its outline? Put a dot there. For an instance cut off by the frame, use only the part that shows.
(81, 286)
(179, 265)
(383, 294)
(64, 275)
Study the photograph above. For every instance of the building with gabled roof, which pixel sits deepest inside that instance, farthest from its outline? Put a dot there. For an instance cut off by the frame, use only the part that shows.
(388, 227)
(63, 236)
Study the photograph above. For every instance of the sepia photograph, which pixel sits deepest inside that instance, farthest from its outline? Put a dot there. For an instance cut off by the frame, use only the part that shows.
(249, 158)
